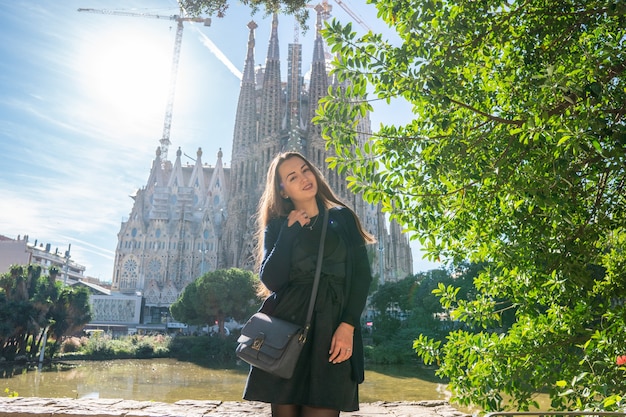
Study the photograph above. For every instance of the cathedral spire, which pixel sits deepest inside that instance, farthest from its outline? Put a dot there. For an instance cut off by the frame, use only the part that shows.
(272, 111)
(244, 174)
(197, 180)
(319, 79)
(245, 119)
(318, 46)
(156, 173)
(248, 69)
(272, 51)
(217, 189)
(294, 97)
(176, 179)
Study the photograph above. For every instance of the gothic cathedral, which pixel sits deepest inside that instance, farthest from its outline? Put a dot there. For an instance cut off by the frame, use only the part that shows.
(191, 219)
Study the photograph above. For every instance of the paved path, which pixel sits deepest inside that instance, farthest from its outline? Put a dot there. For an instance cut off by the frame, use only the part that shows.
(49, 407)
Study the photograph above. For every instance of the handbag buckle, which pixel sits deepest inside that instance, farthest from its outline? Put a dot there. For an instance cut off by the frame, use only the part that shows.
(258, 342)
(304, 334)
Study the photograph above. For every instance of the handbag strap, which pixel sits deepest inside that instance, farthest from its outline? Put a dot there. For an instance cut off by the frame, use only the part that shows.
(316, 280)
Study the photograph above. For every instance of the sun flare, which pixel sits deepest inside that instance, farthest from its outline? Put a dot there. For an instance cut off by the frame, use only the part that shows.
(129, 71)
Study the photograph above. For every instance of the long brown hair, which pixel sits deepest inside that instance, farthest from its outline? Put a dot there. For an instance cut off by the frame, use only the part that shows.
(273, 205)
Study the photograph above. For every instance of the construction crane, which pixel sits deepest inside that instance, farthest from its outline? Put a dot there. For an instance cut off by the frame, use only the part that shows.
(169, 108)
(327, 9)
(352, 14)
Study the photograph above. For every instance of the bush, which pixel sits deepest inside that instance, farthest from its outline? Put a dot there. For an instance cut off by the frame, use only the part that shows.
(207, 350)
(103, 346)
(72, 344)
(392, 352)
(144, 350)
(396, 347)
(99, 346)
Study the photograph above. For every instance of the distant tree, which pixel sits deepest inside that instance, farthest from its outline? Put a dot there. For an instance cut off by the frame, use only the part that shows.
(68, 314)
(394, 295)
(410, 306)
(31, 304)
(45, 294)
(17, 318)
(426, 309)
(22, 319)
(413, 300)
(516, 157)
(216, 295)
(389, 302)
(184, 308)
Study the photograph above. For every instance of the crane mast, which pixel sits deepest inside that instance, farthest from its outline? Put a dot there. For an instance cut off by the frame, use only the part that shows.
(169, 107)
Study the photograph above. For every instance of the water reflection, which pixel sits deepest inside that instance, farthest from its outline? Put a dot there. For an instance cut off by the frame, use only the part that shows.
(168, 380)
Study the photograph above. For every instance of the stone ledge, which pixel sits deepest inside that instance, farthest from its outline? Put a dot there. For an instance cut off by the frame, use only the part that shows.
(89, 407)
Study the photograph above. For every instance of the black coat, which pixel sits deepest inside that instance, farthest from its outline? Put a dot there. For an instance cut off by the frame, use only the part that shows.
(275, 268)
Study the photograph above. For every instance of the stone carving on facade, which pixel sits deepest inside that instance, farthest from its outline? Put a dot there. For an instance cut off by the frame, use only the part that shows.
(113, 310)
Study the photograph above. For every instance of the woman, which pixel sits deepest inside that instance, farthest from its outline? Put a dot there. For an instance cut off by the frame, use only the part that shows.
(330, 367)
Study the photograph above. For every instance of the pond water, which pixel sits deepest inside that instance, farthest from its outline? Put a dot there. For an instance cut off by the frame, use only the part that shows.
(168, 380)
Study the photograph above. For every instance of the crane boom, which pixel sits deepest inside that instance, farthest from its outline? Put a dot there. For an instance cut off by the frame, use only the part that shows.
(206, 21)
(125, 13)
(169, 107)
(352, 14)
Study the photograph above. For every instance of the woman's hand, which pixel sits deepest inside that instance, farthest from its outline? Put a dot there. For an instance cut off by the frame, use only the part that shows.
(341, 343)
(298, 216)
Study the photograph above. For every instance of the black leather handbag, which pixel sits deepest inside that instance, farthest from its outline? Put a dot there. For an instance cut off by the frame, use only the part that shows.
(272, 344)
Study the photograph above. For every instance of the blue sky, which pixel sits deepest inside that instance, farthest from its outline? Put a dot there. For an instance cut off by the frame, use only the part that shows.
(82, 104)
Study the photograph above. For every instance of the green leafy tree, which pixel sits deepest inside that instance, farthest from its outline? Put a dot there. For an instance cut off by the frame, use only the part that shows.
(413, 301)
(516, 157)
(184, 308)
(68, 314)
(216, 295)
(44, 294)
(32, 304)
(219, 8)
(408, 307)
(394, 296)
(21, 318)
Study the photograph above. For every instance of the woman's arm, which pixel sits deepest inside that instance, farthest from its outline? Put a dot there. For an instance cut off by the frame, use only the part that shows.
(277, 247)
(361, 275)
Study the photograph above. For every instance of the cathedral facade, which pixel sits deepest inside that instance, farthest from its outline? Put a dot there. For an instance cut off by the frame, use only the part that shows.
(191, 219)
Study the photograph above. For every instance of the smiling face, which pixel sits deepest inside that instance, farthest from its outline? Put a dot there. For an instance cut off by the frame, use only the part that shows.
(298, 181)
